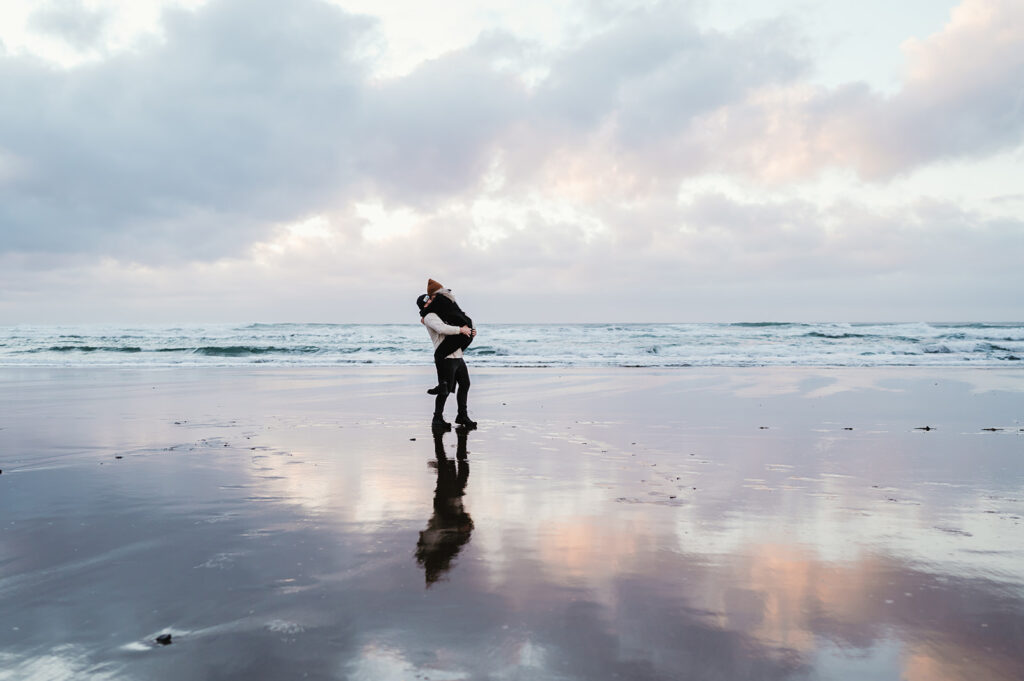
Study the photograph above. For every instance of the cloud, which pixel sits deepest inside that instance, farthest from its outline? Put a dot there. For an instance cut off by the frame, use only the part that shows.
(654, 72)
(247, 115)
(190, 148)
(960, 98)
(625, 107)
(963, 94)
(71, 21)
(190, 160)
(433, 132)
(709, 257)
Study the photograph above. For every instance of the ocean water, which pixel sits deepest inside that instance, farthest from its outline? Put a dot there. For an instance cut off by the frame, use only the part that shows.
(515, 345)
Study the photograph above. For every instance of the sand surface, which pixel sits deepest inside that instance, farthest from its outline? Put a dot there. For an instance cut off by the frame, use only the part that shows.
(600, 524)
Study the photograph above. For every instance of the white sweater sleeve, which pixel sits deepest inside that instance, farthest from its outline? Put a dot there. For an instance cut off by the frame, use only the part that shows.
(435, 323)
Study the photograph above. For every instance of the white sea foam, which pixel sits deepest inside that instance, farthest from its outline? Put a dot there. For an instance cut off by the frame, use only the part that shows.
(647, 345)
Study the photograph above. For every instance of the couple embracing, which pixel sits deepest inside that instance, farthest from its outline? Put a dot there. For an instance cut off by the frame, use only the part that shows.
(451, 331)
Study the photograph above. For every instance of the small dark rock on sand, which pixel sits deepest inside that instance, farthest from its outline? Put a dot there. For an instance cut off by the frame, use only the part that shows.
(164, 639)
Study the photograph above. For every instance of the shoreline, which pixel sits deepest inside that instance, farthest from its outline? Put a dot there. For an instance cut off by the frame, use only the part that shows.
(562, 345)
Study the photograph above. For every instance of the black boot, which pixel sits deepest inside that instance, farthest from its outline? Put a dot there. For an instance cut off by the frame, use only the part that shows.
(463, 420)
(439, 389)
(439, 422)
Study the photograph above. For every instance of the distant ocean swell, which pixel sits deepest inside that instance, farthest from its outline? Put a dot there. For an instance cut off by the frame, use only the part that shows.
(551, 345)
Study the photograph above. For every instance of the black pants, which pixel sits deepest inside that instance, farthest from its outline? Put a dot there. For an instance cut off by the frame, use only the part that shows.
(452, 372)
(447, 346)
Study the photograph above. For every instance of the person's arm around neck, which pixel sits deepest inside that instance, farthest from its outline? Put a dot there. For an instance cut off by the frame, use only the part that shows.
(435, 323)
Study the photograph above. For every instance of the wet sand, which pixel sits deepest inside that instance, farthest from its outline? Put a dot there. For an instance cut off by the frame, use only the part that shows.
(600, 524)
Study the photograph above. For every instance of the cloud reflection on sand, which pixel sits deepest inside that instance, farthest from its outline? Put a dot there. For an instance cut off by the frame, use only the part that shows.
(307, 544)
(844, 572)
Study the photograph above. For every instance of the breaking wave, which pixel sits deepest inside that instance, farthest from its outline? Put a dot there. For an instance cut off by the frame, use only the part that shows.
(741, 344)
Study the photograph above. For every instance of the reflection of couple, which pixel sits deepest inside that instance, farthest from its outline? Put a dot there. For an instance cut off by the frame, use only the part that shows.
(450, 526)
(451, 331)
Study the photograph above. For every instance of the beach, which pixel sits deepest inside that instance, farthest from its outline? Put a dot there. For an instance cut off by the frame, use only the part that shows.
(601, 523)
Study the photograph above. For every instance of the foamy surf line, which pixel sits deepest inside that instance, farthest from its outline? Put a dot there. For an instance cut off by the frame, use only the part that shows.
(997, 344)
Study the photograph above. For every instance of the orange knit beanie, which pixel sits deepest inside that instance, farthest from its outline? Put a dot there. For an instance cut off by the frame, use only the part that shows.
(433, 287)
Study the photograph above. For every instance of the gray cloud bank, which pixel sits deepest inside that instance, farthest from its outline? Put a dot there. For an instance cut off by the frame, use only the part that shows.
(250, 114)
(773, 260)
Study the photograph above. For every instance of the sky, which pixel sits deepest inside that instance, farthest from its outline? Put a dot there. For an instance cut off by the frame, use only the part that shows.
(200, 161)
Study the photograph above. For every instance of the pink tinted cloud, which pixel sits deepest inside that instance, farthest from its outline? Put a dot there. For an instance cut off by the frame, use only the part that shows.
(961, 97)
